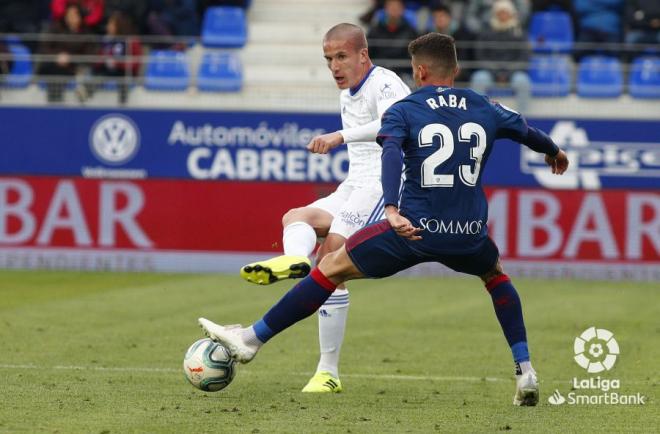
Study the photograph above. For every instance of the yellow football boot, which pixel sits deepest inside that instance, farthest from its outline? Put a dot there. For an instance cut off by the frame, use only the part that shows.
(278, 268)
(323, 382)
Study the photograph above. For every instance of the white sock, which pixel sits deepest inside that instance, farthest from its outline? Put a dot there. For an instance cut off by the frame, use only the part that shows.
(525, 367)
(298, 239)
(332, 325)
(250, 337)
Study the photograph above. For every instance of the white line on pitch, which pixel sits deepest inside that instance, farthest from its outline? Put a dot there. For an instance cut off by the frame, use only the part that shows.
(87, 368)
(144, 369)
(398, 377)
(421, 377)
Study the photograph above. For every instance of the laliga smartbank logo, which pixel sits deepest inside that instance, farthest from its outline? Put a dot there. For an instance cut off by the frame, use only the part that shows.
(596, 351)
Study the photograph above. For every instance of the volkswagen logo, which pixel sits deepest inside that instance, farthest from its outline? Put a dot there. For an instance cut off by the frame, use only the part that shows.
(114, 139)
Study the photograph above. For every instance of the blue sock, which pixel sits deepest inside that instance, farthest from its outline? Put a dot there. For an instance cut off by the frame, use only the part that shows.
(509, 313)
(300, 302)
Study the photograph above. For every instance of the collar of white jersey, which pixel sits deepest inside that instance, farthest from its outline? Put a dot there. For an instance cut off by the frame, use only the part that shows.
(357, 88)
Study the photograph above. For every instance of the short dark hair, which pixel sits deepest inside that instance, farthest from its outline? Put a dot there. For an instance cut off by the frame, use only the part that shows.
(441, 7)
(437, 51)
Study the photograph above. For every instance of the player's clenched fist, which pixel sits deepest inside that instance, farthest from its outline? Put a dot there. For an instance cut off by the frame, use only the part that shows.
(325, 142)
(401, 225)
(558, 163)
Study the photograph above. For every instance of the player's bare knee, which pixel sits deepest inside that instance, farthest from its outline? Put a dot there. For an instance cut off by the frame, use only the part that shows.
(328, 246)
(291, 216)
(318, 219)
(321, 253)
(329, 266)
(331, 243)
(338, 267)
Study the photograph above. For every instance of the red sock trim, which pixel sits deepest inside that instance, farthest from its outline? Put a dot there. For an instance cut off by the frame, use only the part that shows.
(492, 283)
(320, 278)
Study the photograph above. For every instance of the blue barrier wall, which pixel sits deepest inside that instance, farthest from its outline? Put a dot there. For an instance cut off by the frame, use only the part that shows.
(255, 146)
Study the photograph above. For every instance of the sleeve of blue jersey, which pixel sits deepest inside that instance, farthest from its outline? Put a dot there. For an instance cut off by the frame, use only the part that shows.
(510, 123)
(392, 134)
(392, 124)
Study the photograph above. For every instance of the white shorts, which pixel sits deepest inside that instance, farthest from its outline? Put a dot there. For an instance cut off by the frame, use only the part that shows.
(352, 208)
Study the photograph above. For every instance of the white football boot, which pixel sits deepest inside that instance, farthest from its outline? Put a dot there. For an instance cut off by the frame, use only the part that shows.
(527, 389)
(231, 337)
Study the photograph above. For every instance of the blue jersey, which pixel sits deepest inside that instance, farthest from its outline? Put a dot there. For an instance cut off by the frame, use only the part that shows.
(446, 136)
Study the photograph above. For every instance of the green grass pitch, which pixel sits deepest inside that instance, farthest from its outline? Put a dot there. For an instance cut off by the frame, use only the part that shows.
(102, 353)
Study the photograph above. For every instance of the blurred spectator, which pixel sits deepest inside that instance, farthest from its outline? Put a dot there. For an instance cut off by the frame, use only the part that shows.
(92, 11)
(368, 16)
(173, 17)
(504, 45)
(599, 21)
(136, 9)
(458, 9)
(116, 46)
(643, 23)
(20, 16)
(480, 12)
(443, 22)
(6, 61)
(389, 38)
(64, 48)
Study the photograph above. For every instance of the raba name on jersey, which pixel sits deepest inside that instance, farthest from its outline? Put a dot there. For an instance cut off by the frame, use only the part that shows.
(451, 100)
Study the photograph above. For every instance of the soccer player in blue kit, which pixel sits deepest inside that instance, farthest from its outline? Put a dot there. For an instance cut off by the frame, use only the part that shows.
(444, 136)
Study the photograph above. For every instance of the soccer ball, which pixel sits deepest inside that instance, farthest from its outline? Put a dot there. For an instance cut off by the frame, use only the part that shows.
(208, 366)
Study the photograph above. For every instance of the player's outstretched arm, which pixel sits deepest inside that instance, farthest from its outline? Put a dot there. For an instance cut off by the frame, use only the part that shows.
(361, 133)
(512, 125)
(325, 142)
(539, 141)
(558, 163)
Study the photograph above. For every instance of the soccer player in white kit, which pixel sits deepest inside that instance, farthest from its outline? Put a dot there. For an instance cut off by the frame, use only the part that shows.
(367, 91)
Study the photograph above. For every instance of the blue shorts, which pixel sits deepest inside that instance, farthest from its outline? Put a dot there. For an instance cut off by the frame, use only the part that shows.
(377, 251)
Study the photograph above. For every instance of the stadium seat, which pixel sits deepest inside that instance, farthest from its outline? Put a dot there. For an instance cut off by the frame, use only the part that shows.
(551, 32)
(644, 79)
(409, 14)
(224, 27)
(599, 77)
(167, 70)
(413, 5)
(220, 72)
(550, 76)
(20, 75)
(13, 39)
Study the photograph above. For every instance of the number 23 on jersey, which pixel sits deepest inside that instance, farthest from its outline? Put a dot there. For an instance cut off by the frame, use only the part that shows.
(465, 133)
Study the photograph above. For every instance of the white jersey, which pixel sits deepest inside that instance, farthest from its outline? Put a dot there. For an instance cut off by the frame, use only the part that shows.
(374, 95)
